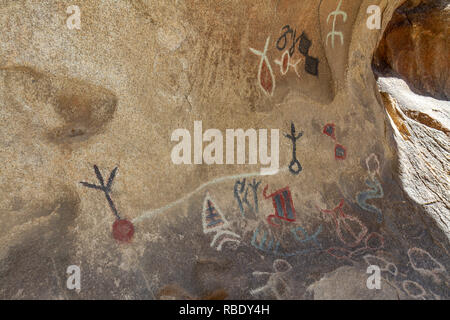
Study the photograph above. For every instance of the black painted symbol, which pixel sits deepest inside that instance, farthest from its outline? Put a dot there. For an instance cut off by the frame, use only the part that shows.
(240, 189)
(105, 188)
(312, 65)
(294, 167)
(122, 229)
(304, 44)
(287, 29)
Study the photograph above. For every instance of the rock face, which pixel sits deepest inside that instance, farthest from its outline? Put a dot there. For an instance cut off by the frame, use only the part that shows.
(422, 130)
(90, 118)
(416, 47)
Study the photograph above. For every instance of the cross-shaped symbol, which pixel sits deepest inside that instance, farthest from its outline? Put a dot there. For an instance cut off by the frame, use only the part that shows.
(333, 32)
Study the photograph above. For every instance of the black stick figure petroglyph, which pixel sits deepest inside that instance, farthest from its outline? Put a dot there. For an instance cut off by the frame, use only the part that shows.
(106, 189)
(294, 167)
(123, 229)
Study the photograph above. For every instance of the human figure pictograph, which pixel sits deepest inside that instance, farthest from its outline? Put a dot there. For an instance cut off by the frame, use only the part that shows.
(333, 33)
(294, 167)
(276, 280)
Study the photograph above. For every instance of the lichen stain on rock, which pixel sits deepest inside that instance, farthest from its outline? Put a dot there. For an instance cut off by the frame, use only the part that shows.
(84, 109)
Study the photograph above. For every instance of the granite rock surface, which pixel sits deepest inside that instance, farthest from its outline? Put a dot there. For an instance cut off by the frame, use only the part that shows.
(370, 184)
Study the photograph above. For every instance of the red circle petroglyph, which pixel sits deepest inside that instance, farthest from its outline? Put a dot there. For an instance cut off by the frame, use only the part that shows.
(123, 230)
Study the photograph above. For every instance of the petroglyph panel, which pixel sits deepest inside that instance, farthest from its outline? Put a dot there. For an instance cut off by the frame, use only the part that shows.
(199, 149)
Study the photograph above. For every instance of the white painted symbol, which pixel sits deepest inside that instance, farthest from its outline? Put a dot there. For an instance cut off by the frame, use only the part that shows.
(213, 220)
(425, 264)
(375, 163)
(414, 289)
(285, 63)
(333, 32)
(276, 280)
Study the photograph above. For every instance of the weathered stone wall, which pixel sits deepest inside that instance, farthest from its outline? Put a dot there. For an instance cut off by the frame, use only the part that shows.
(112, 93)
(416, 47)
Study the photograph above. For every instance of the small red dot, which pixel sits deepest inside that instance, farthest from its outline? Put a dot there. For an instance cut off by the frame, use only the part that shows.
(123, 230)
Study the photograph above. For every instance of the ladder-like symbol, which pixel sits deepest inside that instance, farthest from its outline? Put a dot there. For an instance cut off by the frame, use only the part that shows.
(283, 205)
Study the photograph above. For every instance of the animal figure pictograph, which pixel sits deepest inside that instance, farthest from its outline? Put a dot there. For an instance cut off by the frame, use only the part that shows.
(123, 229)
(294, 167)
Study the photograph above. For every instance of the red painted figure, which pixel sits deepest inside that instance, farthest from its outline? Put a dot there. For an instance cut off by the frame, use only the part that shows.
(349, 229)
(282, 202)
(266, 79)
